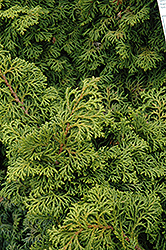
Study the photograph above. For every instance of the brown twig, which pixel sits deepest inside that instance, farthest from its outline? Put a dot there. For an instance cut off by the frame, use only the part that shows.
(68, 125)
(118, 1)
(12, 92)
(110, 227)
(128, 240)
(65, 134)
(75, 234)
(100, 226)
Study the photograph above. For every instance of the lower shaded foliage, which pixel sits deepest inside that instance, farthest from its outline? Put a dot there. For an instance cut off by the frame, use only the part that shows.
(109, 219)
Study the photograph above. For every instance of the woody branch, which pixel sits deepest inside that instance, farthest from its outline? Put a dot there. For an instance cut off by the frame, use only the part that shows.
(12, 92)
(99, 227)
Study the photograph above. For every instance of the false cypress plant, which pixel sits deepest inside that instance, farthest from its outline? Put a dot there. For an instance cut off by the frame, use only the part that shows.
(82, 113)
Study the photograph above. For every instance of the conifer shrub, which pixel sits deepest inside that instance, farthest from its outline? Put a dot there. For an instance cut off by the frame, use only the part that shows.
(82, 125)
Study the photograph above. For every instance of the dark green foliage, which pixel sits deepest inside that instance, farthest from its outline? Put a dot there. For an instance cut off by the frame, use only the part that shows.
(73, 39)
(82, 125)
(11, 228)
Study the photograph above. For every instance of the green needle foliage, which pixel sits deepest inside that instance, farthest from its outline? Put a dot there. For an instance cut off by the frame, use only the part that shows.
(82, 125)
(99, 221)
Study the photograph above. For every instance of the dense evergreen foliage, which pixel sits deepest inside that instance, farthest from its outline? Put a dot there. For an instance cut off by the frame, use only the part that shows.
(82, 125)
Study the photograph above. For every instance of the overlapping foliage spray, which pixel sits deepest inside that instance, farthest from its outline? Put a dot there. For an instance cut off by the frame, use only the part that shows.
(82, 125)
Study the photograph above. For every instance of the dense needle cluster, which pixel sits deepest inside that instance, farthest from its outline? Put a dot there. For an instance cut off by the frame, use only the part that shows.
(82, 125)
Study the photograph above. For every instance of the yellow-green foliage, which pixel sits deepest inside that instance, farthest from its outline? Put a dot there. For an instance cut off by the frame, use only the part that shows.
(82, 125)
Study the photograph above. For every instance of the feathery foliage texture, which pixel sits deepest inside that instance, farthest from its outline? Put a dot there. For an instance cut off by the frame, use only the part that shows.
(82, 125)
